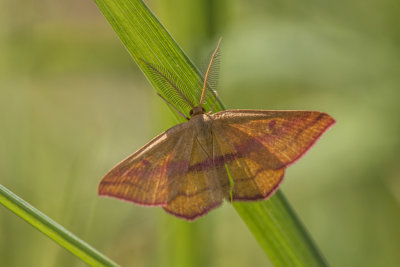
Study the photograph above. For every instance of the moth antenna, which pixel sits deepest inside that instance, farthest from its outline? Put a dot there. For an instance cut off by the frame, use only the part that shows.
(208, 72)
(180, 113)
(215, 101)
(162, 75)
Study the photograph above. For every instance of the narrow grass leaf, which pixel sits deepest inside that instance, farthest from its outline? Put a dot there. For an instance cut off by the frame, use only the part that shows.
(52, 229)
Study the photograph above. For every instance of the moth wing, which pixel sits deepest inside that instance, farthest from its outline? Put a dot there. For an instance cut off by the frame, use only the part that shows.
(252, 174)
(199, 189)
(258, 145)
(144, 177)
(172, 171)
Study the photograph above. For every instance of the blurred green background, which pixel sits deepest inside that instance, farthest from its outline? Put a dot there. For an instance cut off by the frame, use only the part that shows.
(73, 104)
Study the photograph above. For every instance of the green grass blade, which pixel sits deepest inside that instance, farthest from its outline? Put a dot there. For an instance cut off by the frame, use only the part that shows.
(279, 232)
(148, 41)
(272, 222)
(52, 229)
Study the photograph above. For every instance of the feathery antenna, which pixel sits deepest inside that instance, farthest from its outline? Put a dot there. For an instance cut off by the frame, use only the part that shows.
(167, 77)
(208, 71)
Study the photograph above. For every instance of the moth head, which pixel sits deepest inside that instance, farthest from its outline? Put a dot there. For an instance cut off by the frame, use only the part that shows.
(197, 111)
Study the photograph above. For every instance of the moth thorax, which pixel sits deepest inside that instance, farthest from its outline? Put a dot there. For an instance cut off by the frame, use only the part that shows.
(197, 111)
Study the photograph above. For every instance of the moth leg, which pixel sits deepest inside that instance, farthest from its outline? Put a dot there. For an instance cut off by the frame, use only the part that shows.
(215, 101)
(180, 113)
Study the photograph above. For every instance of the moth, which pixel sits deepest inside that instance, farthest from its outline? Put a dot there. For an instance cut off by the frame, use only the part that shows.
(236, 155)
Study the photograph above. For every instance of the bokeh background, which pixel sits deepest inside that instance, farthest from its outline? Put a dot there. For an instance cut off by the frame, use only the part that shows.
(73, 103)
